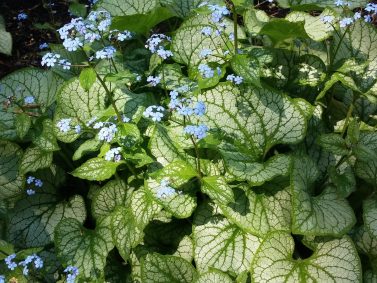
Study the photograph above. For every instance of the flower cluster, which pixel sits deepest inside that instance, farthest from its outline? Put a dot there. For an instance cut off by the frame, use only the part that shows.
(153, 80)
(186, 108)
(37, 184)
(38, 262)
(234, 79)
(113, 154)
(155, 44)
(369, 12)
(106, 53)
(107, 131)
(52, 59)
(206, 71)
(64, 126)
(72, 273)
(154, 112)
(165, 190)
(217, 16)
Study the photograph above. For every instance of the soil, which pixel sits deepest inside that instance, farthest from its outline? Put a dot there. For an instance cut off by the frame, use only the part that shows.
(44, 17)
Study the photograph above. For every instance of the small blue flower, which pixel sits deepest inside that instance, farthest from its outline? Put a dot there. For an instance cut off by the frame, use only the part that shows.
(29, 100)
(327, 19)
(106, 53)
(206, 71)
(49, 59)
(78, 129)
(9, 261)
(113, 154)
(164, 190)
(207, 31)
(38, 183)
(122, 36)
(345, 22)
(198, 132)
(43, 45)
(205, 53)
(30, 180)
(2, 279)
(164, 54)
(72, 44)
(72, 272)
(153, 80)
(65, 64)
(64, 125)
(154, 112)
(107, 133)
(235, 79)
(200, 108)
(22, 16)
(30, 192)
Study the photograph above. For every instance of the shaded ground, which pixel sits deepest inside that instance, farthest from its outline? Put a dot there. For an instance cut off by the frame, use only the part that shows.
(44, 17)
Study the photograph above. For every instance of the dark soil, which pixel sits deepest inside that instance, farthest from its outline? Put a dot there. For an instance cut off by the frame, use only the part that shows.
(44, 17)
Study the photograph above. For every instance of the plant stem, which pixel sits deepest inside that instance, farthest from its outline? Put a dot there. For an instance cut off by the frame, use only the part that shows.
(349, 113)
(235, 31)
(111, 97)
(197, 157)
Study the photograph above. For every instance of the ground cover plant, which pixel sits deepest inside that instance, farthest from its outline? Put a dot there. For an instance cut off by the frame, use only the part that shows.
(193, 141)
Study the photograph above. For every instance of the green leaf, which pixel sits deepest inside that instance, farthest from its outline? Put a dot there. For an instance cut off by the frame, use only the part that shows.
(370, 216)
(255, 20)
(42, 85)
(247, 67)
(167, 268)
(185, 249)
(142, 23)
(96, 169)
(218, 189)
(367, 170)
(327, 214)
(22, 123)
(77, 9)
(178, 172)
(46, 140)
(314, 26)
(188, 41)
(214, 276)
(126, 233)
(317, 4)
(83, 248)
(33, 159)
(143, 207)
(87, 78)
(34, 218)
(222, 245)
(259, 118)
(165, 145)
(260, 210)
(80, 105)
(106, 199)
(244, 167)
(181, 8)
(126, 7)
(281, 30)
(181, 204)
(10, 182)
(5, 39)
(86, 147)
(332, 261)
(333, 143)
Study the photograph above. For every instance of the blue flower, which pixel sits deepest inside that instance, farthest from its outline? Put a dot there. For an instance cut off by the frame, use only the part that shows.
(107, 133)
(49, 59)
(72, 272)
(64, 125)
(113, 154)
(205, 53)
(200, 108)
(153, 80)
(345, 22)
(206, 71)
(29, 100)
(2, 279)
(30, 192)
(9, 261)
(122, 36)
(207, 31)
(106, 53)
(198, 132)
(43, 45)
(154, 112)
(38, 183)
(30, 180)
(22, 16)
(235, 79)
(164, 190)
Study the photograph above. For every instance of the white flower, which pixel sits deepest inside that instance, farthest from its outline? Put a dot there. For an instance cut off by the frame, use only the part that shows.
(113, 154)
(64, 125)
(153, 80)
(154, 112)
(107, 133)
(345, 22)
